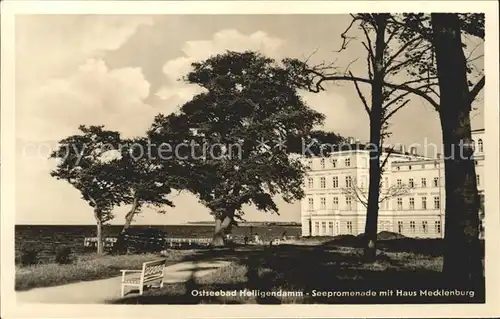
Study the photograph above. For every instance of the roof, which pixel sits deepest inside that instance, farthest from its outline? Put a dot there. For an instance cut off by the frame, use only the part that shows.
(363, 147)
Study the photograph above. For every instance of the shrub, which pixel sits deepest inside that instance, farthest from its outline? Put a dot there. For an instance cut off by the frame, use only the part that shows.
(29, 257)
(387, 235)
(63, 256)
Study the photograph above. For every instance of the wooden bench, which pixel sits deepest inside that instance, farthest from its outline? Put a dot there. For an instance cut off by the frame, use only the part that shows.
(152, 271)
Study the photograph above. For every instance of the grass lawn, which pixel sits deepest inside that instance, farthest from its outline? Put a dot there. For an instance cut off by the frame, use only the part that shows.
(304, 268)
(86, 267)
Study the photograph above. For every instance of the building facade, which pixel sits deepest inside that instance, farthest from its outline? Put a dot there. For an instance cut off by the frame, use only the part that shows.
(336, 190)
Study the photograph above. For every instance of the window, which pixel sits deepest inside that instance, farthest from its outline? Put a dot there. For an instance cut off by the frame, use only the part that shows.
(400, 227)
(437, 226)
(399, 182)
(310, 164)
(323, 203)
(334, 162)
(398, 168)
(424, 182)
(337, 228)
(423, 166)
(412, 226)
(347, 162)
(330, 228)
(424, 202)
(316, 228)
(424, 226)
(409, 167)
(400, 203)
(412, 203)
(480, 145)
(310, 182)
(436, 181)
(473, 145)
(349, 227)
(322, 182)
(348, 181)
(323, 228)
(436, 164)
(436, 202)
(411, 183)
(348, 201)
(477, 180)
(335, 182)
(311, 203)
(335, 203)
(322, 163)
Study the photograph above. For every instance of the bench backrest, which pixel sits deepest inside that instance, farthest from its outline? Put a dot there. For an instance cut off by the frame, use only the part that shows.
(153, 269)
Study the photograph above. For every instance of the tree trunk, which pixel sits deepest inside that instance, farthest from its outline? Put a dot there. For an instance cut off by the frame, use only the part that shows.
(377, 101)
(462, 257)
(130, 215)
(221, 225)
(100, 245)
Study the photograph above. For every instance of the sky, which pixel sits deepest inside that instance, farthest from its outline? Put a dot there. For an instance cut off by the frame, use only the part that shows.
(120, 71)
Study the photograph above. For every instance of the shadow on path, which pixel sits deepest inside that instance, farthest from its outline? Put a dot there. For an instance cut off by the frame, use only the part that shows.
(313, 269)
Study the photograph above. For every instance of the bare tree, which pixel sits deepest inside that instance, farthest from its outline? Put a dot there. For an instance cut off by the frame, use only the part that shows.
(432, 54)
(360, 192)
(386, 59)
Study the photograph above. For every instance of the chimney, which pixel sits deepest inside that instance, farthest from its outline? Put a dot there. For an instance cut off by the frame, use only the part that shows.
(402, 149)
(413, 150)
(357, 143)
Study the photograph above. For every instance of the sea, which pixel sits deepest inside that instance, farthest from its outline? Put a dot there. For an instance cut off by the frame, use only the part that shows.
(47, 239)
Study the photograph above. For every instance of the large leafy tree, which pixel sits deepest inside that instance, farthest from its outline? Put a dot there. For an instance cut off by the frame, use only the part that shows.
(82, 163)
(240, 126)
(149, 180)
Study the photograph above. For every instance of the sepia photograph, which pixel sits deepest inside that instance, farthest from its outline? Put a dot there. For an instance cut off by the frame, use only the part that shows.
(161, 158)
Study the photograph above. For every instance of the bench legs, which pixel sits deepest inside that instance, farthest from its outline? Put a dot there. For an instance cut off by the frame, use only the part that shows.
(140, 287)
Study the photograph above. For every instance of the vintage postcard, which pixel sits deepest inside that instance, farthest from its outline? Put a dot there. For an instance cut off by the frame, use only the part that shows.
(311, 155)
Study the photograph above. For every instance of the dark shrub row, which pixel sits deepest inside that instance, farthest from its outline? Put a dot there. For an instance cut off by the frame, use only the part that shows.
(30, 257)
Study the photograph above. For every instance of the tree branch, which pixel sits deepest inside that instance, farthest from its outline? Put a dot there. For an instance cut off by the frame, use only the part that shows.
(343, 35)
(355, 191)
(400, 65)
(402, 87)
(361, 96)
(388, 116)
(476, 89)
(368, 46)
(387, 157)
(395, 191)
(400, 50)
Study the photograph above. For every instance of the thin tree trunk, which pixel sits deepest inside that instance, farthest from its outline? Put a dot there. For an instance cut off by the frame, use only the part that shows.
(221, 225)
(100, 246)
(377, 101)
(130, 215)
(462, 257)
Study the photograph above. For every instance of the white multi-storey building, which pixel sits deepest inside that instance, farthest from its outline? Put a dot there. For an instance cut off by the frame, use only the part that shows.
(417, 211)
